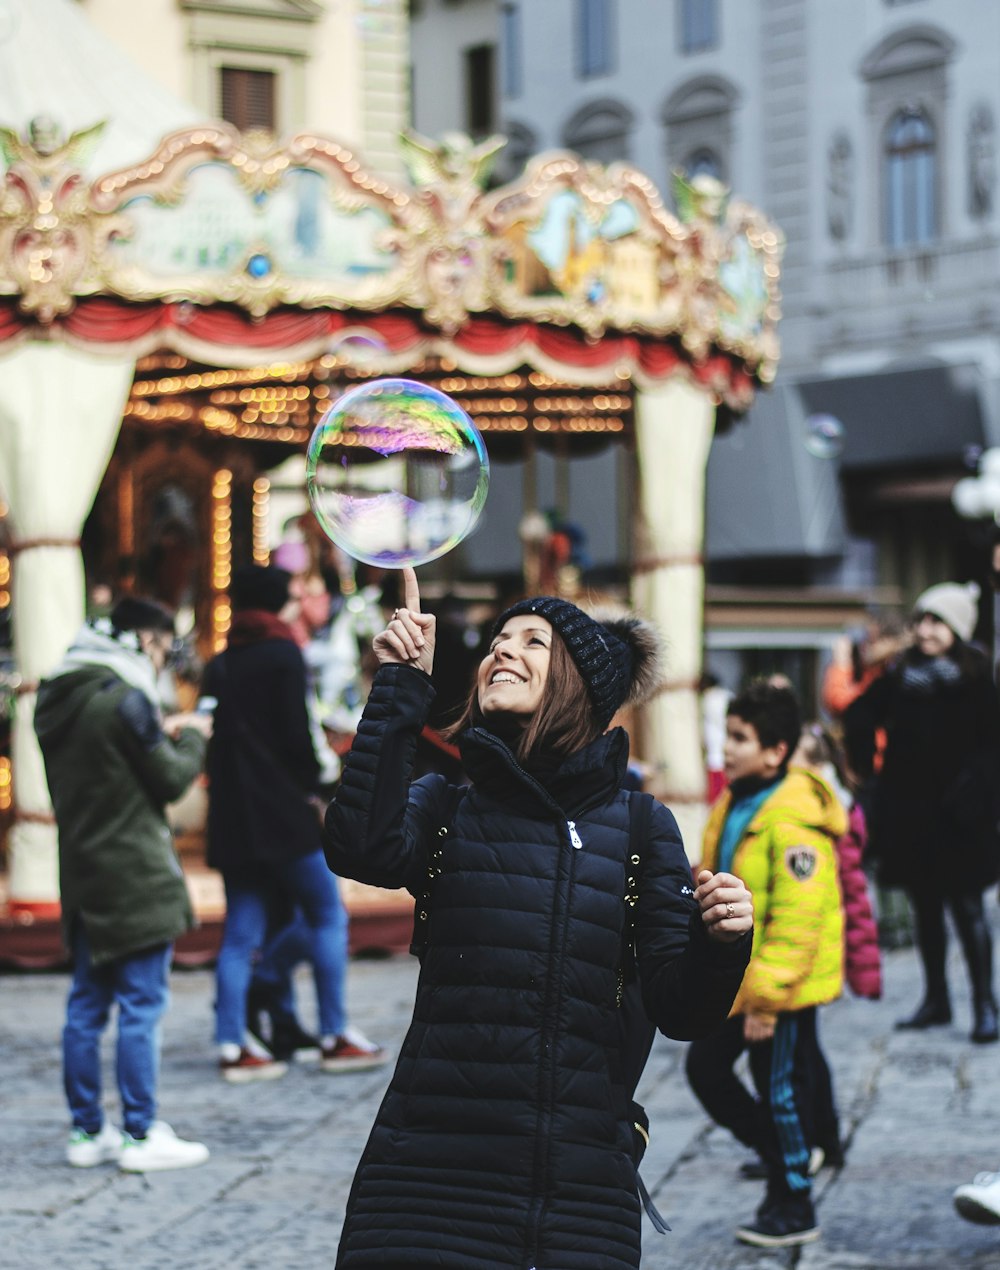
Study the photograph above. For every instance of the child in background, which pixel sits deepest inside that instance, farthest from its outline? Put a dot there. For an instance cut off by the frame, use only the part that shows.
(775, 829)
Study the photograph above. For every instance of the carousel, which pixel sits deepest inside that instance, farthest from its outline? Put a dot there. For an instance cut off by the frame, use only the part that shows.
(172, 332)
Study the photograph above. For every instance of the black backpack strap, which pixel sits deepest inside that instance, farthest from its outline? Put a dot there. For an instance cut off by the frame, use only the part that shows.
(422, 908)
(638, 1030)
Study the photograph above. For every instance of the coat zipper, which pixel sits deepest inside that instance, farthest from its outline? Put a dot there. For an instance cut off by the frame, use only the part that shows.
(551, 1013)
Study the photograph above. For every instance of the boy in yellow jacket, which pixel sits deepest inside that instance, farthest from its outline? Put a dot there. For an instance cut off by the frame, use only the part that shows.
(775, 829)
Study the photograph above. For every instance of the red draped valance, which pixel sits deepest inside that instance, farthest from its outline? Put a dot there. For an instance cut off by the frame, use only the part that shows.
(227, 336)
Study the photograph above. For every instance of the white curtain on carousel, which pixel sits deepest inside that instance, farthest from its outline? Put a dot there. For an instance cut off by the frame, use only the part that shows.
(60, 412)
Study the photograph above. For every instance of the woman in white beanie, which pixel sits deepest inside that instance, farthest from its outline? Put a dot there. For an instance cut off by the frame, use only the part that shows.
(934, 814)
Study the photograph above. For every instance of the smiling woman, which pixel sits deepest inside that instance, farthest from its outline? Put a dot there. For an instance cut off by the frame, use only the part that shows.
(509, 1135)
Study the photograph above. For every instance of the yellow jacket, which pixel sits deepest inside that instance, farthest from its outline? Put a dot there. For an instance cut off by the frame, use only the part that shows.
(787, 859)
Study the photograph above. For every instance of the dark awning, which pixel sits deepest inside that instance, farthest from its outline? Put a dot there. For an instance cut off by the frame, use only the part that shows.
(766, 494)
(769, 496)
(903, 416)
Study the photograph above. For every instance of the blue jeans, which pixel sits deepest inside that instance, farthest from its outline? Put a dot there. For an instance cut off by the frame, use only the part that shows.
(138, 985)
(313, 888)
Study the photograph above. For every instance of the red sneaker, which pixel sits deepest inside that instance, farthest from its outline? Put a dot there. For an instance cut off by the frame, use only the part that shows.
(247, 1067)
(352, 1052)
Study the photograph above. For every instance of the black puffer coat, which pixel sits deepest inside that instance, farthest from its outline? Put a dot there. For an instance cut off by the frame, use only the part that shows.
(933, 809)
(262, 766)
(505, 1136)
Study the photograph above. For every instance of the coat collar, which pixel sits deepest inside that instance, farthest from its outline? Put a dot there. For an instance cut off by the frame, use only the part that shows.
(587, 778)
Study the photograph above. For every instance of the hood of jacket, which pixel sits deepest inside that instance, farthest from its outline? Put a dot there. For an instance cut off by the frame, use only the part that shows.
(806, 799)
(62, 699)
(96, 649)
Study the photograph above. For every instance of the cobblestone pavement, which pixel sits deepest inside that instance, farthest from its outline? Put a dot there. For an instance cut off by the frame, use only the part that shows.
(920, 1114)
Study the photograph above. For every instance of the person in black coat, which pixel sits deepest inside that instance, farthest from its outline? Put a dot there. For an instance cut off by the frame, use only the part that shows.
(933, 806)
(264, 826)
(507, 1137)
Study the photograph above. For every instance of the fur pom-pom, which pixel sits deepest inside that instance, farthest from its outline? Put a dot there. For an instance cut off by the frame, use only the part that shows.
(646, 646)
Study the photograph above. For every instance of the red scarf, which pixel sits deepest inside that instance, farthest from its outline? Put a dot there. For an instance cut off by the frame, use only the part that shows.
(253, 626)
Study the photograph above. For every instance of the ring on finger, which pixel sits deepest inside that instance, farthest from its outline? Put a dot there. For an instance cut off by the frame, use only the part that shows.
(730, 910)
(395, 614)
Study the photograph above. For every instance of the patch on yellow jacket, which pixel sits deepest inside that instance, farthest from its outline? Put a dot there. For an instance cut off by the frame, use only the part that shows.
(801, 862)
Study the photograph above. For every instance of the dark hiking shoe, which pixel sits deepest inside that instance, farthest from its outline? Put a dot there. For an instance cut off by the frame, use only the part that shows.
(781, 1223)
(291, 1042)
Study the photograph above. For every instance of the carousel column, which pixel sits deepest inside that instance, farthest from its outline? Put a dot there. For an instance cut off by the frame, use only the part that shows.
(60, 412)
(674, 425)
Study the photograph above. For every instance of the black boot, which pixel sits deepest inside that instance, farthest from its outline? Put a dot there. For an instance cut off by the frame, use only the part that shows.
(977, 944)
(933, 1011)
(258, 1015)
(985, 1026)
(932, 943)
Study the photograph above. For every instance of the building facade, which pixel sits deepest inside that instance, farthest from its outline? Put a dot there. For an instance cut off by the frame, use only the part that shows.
(867, 130)
(283, 65)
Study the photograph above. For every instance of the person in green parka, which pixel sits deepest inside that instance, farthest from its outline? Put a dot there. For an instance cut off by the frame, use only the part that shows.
(113, 763)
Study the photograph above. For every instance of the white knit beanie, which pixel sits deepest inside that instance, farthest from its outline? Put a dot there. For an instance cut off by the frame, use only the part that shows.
(955, 603)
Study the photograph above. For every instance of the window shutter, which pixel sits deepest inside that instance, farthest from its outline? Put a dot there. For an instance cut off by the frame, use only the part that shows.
(247, 97)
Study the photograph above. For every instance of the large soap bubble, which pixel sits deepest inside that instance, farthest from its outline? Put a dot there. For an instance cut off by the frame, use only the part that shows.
(397, 473)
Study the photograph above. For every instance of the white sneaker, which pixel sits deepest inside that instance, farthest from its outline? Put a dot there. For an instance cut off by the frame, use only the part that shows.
(161, 1148)
(979, 1200)
(84, 1150)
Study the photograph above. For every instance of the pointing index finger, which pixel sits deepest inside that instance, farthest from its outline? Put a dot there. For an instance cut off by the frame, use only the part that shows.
(411, 590)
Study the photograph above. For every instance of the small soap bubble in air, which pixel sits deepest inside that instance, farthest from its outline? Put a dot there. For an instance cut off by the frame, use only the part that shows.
(397, 473)
(824, 438)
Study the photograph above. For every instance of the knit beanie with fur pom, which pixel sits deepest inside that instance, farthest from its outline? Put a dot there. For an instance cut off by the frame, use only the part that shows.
(618, 656)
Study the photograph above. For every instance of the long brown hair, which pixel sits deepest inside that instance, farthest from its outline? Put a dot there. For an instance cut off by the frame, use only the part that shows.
(564, 721)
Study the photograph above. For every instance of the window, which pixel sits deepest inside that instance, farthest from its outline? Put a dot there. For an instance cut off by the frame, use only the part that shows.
(247, 97)
(480, 95)
(910, 179)
(521, 145)
(510, 50)
(594, 37)
(698, 25)
(909, 99)
(702, 162)
(698, 121)
(600, 131)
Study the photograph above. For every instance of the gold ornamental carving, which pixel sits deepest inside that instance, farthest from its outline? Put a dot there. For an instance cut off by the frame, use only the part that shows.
(50, 238)
(219, 217)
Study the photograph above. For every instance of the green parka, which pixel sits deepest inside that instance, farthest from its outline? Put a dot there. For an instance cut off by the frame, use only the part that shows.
(111, 771)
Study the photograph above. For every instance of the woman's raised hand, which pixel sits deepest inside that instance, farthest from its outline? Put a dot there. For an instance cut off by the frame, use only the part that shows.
(726, 906)
(408, 640)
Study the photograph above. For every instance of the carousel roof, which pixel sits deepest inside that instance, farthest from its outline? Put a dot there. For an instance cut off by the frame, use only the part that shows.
(57, 69)
(233, 249)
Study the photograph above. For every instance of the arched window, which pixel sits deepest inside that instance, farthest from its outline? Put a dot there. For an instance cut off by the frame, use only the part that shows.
(698, 123)
(702, 162)
(600, 131)
(910, 166)
(522, 143)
